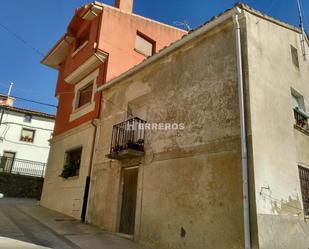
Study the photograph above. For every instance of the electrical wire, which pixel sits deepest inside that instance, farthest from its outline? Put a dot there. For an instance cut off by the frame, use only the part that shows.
(19, 38)
(35, 101)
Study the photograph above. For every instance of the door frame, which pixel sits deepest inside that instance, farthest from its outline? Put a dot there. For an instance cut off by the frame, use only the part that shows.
(121, 185)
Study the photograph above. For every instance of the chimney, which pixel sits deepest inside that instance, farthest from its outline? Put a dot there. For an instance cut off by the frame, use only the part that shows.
(124, 5)
(6, 101)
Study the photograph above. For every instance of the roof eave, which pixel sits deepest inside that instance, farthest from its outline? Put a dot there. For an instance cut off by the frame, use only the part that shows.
(58, 53)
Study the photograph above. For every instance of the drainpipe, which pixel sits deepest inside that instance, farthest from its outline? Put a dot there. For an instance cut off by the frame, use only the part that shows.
(95, 123)
(244, 144)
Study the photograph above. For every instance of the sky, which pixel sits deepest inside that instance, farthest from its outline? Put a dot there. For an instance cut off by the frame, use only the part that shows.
(29, 29)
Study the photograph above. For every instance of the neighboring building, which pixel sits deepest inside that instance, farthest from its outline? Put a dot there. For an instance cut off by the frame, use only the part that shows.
(24, 139)
(183, 188)
(101, 42)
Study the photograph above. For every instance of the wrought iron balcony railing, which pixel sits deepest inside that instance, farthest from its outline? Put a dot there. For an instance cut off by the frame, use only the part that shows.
(22, 167)
(301, 119)
(127, 139)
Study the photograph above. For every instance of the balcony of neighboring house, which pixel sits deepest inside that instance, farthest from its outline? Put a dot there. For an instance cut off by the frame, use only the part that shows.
(127, 139)
(300, 114)
(12, 165)
(301, 120)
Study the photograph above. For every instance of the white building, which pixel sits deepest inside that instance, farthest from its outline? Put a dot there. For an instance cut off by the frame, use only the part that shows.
(24, 138)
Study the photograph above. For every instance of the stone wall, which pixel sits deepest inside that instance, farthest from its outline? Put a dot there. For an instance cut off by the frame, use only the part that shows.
(189, 182)
(12, 185)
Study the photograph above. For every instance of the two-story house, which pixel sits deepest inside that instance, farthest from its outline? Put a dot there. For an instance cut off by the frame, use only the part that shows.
(24, 139)
(208, 146)
(101, 42)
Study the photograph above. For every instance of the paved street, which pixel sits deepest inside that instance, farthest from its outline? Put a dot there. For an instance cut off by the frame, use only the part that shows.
(25, 225)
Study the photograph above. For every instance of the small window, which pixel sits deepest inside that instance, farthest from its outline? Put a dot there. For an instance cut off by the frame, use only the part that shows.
(300, 115)
(298, 100)
(304, 184)
(27, 135)
(144, 45)
(294, 54)
(84, 95)
(81, 39)
(28, 118)
(72, 163)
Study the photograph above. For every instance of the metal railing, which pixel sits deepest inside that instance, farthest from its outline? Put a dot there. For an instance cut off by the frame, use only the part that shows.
(300, 119)
(22, 167)
(128, 135)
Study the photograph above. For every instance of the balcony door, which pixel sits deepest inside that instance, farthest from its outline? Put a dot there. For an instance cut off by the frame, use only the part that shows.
(7, 161)
(128, 206)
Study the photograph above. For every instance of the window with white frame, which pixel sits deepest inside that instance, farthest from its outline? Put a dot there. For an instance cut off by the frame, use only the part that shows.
(83, 101)
(84, 95)
(300, 115)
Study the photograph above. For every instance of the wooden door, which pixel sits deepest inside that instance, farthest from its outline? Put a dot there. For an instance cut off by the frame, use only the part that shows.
(128, 207)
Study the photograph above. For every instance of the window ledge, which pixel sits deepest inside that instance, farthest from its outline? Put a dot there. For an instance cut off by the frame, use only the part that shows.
(79, 48)
(141, 53)
(77, 113)
(82, 107)
(301, 129)
(70, 178)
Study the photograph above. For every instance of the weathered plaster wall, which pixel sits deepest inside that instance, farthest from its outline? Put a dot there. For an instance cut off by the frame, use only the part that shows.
(189, 184)
(66, 195)
(277, 147)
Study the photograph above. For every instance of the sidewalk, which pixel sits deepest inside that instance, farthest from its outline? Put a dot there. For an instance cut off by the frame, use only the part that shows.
(23, 220)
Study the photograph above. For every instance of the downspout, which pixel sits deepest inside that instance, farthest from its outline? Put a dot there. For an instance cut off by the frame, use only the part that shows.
(96, 134)
(244, 144)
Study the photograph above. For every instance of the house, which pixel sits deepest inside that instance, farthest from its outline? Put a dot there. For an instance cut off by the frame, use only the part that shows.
(208, 144)
(24, 139)
(101, 42)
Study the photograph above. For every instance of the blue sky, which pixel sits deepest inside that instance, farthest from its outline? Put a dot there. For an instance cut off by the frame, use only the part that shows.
(40, 23)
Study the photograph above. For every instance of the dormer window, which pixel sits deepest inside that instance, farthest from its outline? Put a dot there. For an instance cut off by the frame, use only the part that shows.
(144, 45)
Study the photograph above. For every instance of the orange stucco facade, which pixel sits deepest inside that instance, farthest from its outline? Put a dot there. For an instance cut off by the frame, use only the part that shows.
(112, 32)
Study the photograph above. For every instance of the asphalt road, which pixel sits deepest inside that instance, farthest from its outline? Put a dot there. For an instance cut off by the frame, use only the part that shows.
(25, 225)
(16, 226)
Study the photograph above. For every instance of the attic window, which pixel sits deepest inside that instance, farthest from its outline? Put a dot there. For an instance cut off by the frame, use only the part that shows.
(144, 44)
(82, 39)
(294, 54)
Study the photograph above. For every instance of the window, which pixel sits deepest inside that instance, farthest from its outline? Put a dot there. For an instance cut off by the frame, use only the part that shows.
(294, 54)
(304, 184)
(28, 118)
(72, 163)
(84, 95)
(301, 117)
(27, 135)
(82, 39)
(144, 45)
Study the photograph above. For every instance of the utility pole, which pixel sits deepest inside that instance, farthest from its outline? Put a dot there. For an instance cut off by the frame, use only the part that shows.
(301, 25)
(8, 96)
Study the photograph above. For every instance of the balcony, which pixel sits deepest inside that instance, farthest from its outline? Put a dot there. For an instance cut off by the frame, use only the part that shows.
(301, 119)
(127, 139)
